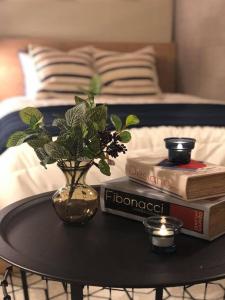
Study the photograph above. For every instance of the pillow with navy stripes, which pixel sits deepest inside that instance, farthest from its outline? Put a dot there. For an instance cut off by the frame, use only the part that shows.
(127, 73)
(62, 74)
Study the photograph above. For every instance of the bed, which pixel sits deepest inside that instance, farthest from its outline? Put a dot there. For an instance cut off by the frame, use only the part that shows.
(170, 114)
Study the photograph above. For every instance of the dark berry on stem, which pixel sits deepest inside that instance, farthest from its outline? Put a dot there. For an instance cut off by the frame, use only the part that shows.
(115, 148)
(105, 137)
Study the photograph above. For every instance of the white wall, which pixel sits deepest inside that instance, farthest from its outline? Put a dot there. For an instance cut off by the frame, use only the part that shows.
(200, 38)
(89, 20)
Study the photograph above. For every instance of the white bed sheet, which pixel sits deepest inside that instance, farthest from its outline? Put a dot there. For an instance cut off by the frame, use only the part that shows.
(21, 175)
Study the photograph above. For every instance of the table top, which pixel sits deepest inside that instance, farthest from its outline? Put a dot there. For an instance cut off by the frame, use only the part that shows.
(108, 251)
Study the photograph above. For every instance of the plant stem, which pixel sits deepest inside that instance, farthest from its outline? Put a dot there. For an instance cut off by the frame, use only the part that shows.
(75, 181)
(72, 184)
(84, 170)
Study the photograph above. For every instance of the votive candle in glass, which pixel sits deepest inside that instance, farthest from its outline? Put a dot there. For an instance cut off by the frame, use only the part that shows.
(162, 231)
(179, 149)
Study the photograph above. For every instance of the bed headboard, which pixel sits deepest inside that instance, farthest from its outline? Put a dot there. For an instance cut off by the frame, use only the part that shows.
(11, 77)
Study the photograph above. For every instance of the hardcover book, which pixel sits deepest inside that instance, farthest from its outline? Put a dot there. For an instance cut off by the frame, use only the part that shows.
(123, 197)
(193, 181)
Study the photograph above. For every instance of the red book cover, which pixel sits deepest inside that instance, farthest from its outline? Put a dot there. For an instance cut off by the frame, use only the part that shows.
(192, 218)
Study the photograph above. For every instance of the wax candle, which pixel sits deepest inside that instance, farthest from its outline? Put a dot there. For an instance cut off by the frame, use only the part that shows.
(162, 231)
(163, 237)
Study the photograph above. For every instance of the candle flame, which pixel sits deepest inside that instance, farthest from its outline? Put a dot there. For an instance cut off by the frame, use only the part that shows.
(179, 146)
(163, 230)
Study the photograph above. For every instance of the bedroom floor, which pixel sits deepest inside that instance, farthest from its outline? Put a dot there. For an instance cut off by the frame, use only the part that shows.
(41, 290)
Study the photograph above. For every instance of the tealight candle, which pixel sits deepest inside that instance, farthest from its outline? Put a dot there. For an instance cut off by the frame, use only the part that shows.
(179, 149)
(162, 231)
(162, 237)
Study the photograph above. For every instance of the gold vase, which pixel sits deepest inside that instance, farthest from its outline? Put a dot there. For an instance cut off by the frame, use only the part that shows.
(76, 202)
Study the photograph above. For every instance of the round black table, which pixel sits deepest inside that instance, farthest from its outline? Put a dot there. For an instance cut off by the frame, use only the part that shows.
(109, 251)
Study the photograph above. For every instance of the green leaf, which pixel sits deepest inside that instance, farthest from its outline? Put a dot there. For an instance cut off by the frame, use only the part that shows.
(102, 125)
(72, 140)
(104, 167)
(75, 115)
(39, 141)
(84, 130)
(60, 123)
(56, 151)
(30, 136)
(15, 139)
(125, 136)
(43, 156)
(94, 145)
(79, 100)
(88, 153)
(116, 121)
(75, 142)
(20, 137)
(34, 123)
(30, 115)
(98, 115)
(132, 120)
(91, 100)
(95, 85)
(91, 130)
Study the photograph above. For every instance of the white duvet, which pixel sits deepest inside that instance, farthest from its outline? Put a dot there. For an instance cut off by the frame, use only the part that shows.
(21, 175)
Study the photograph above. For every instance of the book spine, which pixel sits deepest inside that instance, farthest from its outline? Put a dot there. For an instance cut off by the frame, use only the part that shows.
(161, 179)
(155, 187)
(138, 207)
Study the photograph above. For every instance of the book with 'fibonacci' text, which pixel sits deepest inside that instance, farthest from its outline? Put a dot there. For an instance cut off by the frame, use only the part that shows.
(193, 181)
(125, 198)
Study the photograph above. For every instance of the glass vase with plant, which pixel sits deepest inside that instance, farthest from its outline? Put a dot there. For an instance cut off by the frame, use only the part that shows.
(83, 140)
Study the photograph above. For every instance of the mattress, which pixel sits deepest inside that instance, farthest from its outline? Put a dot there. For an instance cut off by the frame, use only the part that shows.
(21, 174)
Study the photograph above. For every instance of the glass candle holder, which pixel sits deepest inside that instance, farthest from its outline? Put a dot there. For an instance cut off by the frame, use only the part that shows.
(179, 149)
(162, 231)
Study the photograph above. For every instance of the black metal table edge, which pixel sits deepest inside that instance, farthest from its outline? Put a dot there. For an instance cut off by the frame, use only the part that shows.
(77, 286)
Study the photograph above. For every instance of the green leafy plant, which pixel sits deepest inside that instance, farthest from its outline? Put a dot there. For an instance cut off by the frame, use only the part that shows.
(83, 134)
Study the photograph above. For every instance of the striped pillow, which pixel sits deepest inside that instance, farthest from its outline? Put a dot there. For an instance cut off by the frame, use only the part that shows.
(127, 73)
(62, 74)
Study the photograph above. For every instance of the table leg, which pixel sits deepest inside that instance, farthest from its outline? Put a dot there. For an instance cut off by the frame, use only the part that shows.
(24, 284)
(159, 293)
(76, 292)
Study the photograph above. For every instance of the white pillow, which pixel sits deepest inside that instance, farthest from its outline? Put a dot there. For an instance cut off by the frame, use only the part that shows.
(62, 74)
(31, 80)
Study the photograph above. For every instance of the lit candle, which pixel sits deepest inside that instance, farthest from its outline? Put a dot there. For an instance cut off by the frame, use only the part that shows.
(162, 231)
(179, 149)
(163, 237)
(180, 146)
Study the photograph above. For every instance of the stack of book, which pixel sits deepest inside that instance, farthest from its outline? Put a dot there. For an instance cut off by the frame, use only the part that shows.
(192, 192)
